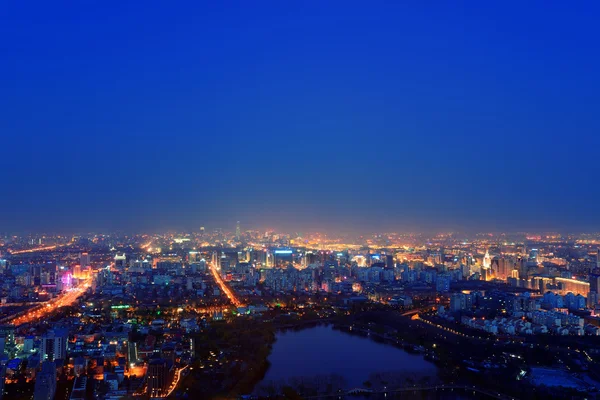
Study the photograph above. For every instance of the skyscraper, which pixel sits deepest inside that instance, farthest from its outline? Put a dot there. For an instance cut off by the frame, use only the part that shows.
(45, 382)
(487, 260)
(84, 260)
(54, 345)
(595, 283)
(237, 231)
(160, 375)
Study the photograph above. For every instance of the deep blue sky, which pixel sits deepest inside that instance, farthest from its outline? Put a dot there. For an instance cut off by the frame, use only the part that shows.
(339, 115)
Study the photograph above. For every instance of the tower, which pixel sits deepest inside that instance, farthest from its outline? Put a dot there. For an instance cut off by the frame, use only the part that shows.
(487, 260)
(237, 230)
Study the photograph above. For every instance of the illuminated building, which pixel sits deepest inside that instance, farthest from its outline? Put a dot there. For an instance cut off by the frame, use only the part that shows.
(270, 261)
(361, 261)
(574, 286)
(486, 274)
(282, 257)
(533, 255)
(237, 231)
(541, 283)
(159, 377)
(54, 345)
(120, 260)
(84, 260)
(487, 260)
(501, 267)
(224, 264)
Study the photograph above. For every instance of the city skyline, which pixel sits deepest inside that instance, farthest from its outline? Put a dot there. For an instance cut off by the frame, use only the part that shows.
(401, 116)
(299, 200)
(159, 315)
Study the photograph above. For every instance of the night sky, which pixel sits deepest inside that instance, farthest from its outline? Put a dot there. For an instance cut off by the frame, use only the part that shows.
(342, 116)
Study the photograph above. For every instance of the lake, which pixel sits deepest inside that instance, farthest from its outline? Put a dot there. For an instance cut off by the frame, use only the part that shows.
(323, 351)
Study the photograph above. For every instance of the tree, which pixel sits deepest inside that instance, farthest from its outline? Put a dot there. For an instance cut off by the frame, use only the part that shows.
(290, 393)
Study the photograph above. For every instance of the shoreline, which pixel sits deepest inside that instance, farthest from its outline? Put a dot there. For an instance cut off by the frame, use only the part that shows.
(346, 328)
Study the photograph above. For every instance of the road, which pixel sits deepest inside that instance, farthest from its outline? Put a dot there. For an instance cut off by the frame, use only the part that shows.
(465, 388)
(224, 288)
(47, 308)
(569, 350)
(44, 248)
(176, 379)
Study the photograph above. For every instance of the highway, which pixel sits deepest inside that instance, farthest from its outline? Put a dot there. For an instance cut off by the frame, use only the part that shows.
(176, 379)
(47, 308)
(44, 248)
(224, 288)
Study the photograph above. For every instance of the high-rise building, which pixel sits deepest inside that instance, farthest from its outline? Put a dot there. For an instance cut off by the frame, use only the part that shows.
(501, 267)
(595, 283)
(389, 261)
(270, 261)
(442, 283)
(54, 345)
(45, 382)
(592, 299)
(487, 260)
(237, 231)
(159, 377)
(214, 259)
(120, 260)
(193, 256)
(84, 260)
(533, 255)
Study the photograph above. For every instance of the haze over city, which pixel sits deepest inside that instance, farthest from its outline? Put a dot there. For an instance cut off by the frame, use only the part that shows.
(277, 200)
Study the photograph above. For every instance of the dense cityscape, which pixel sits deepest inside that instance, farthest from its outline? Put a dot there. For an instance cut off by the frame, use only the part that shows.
(319, 200)
(160, 315)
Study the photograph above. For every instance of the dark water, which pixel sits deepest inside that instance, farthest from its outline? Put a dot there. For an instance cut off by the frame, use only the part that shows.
(323, 351)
